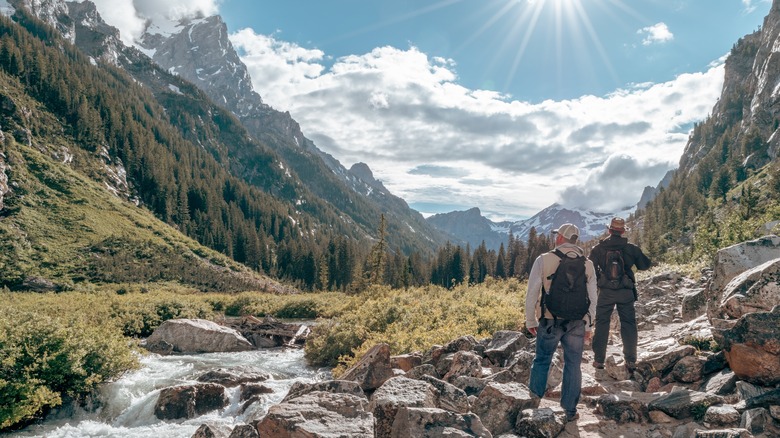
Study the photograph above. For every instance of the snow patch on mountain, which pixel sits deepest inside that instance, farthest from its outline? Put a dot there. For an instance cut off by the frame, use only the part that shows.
(591, 224)
(6, 9)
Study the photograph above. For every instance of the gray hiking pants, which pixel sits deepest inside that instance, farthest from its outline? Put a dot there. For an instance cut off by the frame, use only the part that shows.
(623, 299)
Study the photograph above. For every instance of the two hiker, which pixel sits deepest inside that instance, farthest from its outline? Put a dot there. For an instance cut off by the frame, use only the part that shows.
(562, 305)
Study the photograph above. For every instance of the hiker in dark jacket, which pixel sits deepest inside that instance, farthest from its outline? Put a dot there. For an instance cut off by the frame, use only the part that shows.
(617, 288)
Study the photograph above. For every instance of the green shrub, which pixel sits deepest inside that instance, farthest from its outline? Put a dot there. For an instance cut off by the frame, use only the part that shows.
(44, 358)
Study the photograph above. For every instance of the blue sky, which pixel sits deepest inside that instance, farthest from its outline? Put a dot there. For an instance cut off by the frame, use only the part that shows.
(595, 47)
(505, 105)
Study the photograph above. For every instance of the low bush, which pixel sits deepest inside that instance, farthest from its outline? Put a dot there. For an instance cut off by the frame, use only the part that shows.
(415, 319)
(46, 357)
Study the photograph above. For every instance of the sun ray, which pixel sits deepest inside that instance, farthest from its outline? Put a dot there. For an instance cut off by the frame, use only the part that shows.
(535, 11)
(501, 13)
(591, 32)
(393, 20)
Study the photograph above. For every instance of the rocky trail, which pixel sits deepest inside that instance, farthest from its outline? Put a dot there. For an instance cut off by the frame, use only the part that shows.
(709, 366)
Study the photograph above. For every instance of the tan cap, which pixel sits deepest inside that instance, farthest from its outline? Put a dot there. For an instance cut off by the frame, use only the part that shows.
(567, 231)
(618, 224)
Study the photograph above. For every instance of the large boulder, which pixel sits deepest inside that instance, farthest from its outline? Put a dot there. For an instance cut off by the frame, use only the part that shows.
(752, 348)
(373, 369)
(319, 415)
(503, 345)
(195, 336)
(189, 401)
(499, 405)
(755, 290)
(232, 377)
(734, 260)
(396, 393)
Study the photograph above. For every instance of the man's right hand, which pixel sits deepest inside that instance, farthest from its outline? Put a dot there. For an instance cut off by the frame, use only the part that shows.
(532, 331)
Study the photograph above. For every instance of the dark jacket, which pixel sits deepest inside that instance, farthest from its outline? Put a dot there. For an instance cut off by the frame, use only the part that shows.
(632, 255)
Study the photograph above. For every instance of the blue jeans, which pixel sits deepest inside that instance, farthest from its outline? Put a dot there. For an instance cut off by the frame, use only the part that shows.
(571, 335)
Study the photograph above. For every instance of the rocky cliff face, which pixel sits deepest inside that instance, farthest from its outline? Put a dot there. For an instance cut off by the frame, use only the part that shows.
(749, 100)
(199, 51)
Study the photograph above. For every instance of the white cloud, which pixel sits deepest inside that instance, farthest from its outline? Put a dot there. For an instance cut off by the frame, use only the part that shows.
(750, 5)
(406, 115)
(131, 16)
(657, 33)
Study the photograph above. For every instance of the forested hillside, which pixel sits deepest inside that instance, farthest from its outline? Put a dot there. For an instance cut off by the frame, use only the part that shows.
(111, 127)
(727, 187)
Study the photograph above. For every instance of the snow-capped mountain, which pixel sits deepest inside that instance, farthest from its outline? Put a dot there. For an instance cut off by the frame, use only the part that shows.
(470, 226)
(592, 225)
(199, 51)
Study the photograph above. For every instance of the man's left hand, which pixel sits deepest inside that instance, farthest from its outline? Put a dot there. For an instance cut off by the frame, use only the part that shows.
(588, 337)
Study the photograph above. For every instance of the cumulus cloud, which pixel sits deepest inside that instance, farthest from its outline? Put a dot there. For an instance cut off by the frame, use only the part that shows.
(131, 16)
(405, 114)
(602, 188)
(657, 33)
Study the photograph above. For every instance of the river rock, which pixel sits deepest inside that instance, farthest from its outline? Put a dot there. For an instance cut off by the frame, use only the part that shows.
(373, 369)
(499, 404)
(244, 431)
(436, 423)
(231, 377)
(195, 336)
(752, 348)
(396, 393)
(503, 345)
(250, 390)
(204, 431)
(189, 401)
(755, 290)
(319, 415)
(268, 332)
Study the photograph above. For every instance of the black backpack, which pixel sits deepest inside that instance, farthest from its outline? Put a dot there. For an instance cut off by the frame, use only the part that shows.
(568, 297)
(614, 269)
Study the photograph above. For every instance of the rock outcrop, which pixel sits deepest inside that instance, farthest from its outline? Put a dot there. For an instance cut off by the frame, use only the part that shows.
(195, 336)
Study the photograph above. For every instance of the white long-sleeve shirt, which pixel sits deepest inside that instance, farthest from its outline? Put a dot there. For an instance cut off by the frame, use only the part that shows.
(544, 266)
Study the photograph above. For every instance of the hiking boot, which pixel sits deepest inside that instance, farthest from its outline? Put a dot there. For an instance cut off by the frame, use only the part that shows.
(631, 367)
(574, 417)
(598, 365)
